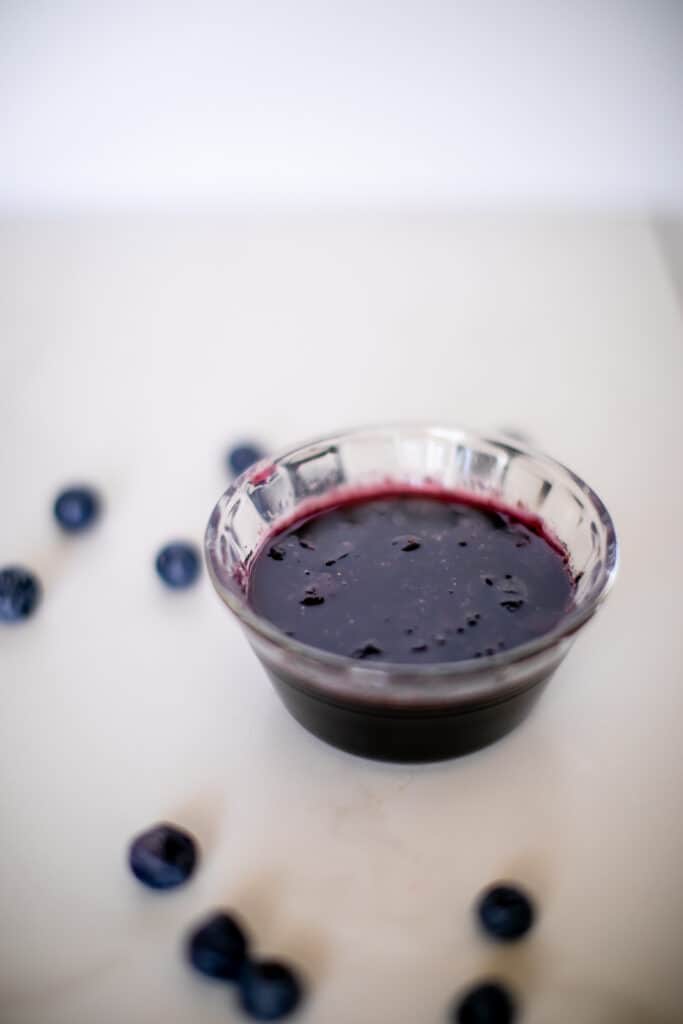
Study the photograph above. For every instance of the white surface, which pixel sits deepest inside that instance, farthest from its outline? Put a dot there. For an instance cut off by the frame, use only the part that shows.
(299, 101)
(132, 353)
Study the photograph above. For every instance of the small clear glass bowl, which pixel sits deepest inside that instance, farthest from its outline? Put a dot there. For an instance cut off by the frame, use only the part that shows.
(398, 711)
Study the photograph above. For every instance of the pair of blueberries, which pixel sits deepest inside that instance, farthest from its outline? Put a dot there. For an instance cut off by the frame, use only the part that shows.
(75, 509)
(506, 913)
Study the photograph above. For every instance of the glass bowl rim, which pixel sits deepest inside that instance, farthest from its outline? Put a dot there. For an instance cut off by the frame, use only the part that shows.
(567, 626)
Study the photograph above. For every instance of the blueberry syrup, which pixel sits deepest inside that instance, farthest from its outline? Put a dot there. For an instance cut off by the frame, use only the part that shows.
(406, 575)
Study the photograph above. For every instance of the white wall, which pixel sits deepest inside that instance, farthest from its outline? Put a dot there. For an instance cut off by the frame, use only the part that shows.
(300, 101)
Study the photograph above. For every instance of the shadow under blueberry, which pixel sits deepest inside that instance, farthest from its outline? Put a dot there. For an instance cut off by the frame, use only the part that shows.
(256, 902)
(202, 815)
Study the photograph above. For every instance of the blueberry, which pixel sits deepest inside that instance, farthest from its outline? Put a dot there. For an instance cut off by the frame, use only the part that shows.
(163, 857)
(505, 912)
(489, 1002)
(19, 593)
(76, 508)
(218, 947)
(269, 990)
(178, 564)
(242, 456)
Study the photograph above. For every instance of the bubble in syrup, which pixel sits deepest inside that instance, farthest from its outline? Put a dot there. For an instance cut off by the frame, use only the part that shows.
(367, 650)
(497, 520)
(406, 543)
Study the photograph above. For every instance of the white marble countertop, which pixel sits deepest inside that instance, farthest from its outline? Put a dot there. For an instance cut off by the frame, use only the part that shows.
(132, 352)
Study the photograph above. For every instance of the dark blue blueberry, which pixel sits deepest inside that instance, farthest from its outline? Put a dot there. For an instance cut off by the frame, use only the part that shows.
(19, 593)
(242, 456)
(178, 564)
(269, 990)
(76, 508)
(489, 1002)
(163, 857)
(505, 912)
(218, 947)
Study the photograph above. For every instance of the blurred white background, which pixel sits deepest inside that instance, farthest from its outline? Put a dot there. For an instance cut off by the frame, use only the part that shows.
(366, 101)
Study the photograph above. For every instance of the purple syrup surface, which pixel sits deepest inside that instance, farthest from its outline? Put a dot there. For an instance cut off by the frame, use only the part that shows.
(411, 578)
